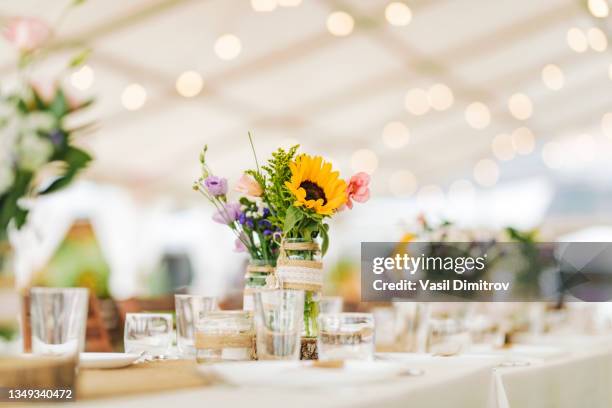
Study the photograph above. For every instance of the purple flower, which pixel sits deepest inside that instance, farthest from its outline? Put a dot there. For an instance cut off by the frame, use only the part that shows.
(242, 218)
(249, 223)
(229, 214)
(57, 137)
(265, 224)
(216, 186)
(267, 232)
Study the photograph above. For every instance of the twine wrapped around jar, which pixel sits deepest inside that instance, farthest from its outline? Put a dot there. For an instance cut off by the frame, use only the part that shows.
(254, 272)
(300, 274)
(221, 341)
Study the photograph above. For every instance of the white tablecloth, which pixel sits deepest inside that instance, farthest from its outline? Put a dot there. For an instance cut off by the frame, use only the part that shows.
(579, 376)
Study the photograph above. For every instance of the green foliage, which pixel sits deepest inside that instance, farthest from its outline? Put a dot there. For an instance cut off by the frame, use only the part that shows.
(67, 156)
(8, 333)
(274, 175)
(75, 159)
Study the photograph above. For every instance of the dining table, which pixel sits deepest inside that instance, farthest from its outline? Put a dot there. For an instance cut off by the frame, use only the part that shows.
(555, 370)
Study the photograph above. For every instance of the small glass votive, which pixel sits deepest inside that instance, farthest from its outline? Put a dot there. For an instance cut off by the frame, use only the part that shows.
(279, 315)
(58, 320)
(225, 336)
(447, 337)
(148, 333)
(330, 304)
(346, 336)
(188, 310)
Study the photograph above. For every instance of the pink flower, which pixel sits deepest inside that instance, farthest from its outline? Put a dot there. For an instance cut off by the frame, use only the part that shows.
(239, 246)
(249, 186)
(27, 33)
(358, 189)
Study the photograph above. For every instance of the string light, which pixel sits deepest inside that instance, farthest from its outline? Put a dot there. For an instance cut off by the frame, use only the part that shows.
(523, 140)
(263, 5)
(599, 8)
(576, 40)
(398, 14)
(520, 106)
(552, 76)
(486, 172)
(189, 84)
(478, 115)
(502, 147)
(364, 160)
(83, 78)
(440, 97)
(395, 135)
(133, 97)
(228, 47)
(416, 101)
(340, 23)
(402, 183)
(597, 39)
(289, 3)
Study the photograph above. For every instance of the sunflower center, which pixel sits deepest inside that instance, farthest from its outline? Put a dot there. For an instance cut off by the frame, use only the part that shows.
(313, 191)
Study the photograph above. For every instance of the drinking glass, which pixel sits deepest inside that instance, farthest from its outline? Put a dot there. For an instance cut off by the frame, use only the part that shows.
(279, 315)
(447, 336)
(148, 333)
(58, 320)
(189, 308)
(225, 336)
(331, 304)
(411, 326)
(346, 336)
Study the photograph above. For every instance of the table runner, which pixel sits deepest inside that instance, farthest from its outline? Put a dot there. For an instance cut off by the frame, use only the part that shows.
(144, 378)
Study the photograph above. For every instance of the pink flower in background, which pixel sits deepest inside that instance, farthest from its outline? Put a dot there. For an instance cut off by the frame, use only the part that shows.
(358, 189)
(239, 246)
(27, 33)
(249, 186)
(228, 214)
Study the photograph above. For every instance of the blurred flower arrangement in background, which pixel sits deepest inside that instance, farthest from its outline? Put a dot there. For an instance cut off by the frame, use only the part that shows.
(37, 151)
(249, 218)
(37, 154)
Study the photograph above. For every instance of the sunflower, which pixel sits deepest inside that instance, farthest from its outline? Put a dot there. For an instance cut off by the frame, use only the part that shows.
(315, 186)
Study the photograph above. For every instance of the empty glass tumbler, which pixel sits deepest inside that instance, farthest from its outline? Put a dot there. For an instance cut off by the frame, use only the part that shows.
(148, 333)
(346, 336)
(279, 315)
(189, 308)
(58, 320)
(225, 336)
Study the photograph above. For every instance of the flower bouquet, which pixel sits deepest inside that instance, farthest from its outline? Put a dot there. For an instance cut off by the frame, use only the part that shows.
(282, 217)
(249, 218)
(37, 154)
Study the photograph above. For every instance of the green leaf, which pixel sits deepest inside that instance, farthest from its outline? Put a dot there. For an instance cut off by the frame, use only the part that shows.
(59, 107)
(324, 237)
(10, 209)
(80, 58)
(293, 217)
(76, 159)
